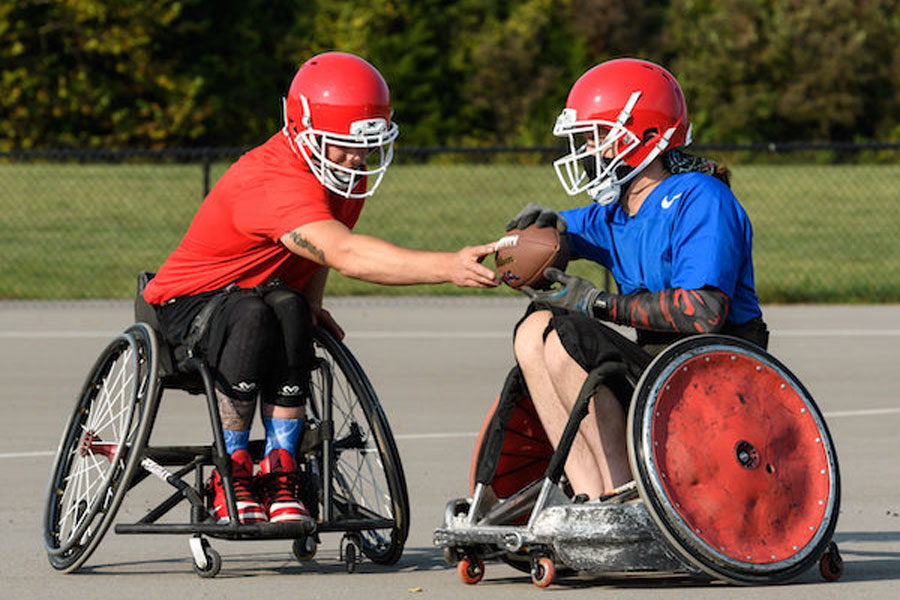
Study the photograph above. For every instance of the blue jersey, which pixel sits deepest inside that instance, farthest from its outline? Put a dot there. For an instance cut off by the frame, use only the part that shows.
(690, 232)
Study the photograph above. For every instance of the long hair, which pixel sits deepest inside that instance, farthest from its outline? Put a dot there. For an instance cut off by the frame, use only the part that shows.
(678, 161)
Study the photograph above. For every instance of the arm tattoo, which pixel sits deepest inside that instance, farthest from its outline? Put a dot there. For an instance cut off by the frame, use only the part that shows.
(307, 245)
(675, 309)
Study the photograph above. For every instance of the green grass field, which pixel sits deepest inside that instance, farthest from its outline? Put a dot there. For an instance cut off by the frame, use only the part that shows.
(822, 233)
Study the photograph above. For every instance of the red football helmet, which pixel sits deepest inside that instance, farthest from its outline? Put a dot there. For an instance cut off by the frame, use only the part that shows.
(619, 116)
(340, 99)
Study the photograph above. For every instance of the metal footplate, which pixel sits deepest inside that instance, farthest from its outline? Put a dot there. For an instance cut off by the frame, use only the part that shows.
(601, 538)
(593, 538)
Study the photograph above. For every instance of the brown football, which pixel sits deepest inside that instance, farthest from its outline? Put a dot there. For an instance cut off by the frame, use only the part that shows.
(523, 254)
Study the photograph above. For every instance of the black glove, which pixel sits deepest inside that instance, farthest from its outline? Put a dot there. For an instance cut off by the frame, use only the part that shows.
(576, 295)
(537, 214)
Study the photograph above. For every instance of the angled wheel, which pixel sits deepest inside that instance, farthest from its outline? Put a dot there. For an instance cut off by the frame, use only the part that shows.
(368, 480)
(734, 461)
(523, 453)
(101, 447)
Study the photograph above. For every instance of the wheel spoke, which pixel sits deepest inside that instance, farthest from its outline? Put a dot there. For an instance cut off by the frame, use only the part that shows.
(107, 416)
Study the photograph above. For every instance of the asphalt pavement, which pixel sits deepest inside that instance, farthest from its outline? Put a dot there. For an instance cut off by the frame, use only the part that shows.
(437, 365)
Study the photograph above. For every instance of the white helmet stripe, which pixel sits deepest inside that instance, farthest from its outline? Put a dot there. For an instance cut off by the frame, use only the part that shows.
(307, 120)
(629, 106)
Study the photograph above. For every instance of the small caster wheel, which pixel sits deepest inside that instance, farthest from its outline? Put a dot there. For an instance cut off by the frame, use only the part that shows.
(350, 553)
(470, 569)
(206, 561)
(831, 565)
(543, 571)
(213, 564)
(304, 548)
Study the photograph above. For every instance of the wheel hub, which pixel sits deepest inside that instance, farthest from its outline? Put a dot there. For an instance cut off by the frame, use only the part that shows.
(92, 445)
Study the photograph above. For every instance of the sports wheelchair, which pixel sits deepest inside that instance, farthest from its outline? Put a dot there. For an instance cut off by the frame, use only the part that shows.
(352, 478)
(735, 478)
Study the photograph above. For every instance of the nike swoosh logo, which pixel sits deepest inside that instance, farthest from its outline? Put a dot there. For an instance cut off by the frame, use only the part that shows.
(666, 203)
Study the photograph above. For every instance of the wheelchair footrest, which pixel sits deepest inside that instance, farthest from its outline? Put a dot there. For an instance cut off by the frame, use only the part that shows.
(252, 531)
(355, 525)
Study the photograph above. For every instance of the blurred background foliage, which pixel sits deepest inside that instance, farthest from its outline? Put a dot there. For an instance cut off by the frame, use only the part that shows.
(193, 73)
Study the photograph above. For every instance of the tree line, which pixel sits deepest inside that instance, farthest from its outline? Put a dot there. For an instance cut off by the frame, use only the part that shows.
(190, 73)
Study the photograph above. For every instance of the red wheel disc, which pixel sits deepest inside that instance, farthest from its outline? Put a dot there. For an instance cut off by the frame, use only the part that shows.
(741, 458)
(525, 452)
(736, 461)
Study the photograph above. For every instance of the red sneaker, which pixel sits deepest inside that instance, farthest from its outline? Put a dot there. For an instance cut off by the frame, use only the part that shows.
(249, 510)
(278, 482)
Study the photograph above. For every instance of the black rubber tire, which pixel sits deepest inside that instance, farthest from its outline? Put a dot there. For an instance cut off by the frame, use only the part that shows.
(213, 564)
(356, 410)
(831, 565)
(114, 413)
(304, 549)
(350, 557)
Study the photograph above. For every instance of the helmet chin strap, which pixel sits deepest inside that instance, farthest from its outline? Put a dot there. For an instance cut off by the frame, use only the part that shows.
(341, 185)
(604, 192)
(608, 191)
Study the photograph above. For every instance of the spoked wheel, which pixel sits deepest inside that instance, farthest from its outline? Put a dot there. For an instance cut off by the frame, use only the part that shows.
(368, 481)
(733, 460)
(101, 447)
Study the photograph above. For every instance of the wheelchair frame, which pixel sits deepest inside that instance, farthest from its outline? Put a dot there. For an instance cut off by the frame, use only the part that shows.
(652, 524)
(353, 481)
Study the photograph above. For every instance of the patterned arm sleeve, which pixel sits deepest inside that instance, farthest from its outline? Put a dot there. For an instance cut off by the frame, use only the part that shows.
(675, 309)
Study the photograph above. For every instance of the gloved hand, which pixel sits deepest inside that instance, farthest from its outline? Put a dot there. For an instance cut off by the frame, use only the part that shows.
(540, 215)
(576, 294)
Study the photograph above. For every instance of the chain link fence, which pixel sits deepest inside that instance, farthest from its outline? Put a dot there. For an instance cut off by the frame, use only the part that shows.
(82, 224)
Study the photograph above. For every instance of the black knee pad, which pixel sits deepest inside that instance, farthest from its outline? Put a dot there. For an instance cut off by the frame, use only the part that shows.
(293, 391)
(246, 355)
(289, 381)
(290, 306)
(289, 396)
(242, 391)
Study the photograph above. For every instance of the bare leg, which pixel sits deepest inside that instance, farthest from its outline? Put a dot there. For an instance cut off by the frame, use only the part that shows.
(602, 432)
(582, 469)
(237, 415)
(283, 412)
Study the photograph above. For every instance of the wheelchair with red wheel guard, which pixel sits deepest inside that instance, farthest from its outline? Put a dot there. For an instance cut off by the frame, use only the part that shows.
(735, 478)
(352, 478)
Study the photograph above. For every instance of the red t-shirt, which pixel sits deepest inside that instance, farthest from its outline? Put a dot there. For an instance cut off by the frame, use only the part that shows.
(234, 237)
